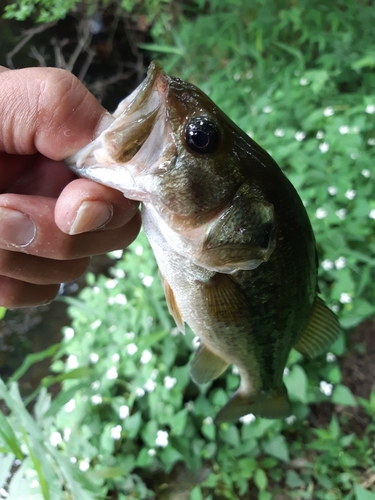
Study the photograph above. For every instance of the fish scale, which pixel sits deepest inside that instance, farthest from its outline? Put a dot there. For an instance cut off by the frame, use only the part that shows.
(231, 237)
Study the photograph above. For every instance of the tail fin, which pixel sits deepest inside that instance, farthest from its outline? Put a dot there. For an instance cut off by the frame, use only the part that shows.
(267, 404)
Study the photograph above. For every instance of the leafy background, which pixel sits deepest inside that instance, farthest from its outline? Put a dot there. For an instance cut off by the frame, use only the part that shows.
(127, 421)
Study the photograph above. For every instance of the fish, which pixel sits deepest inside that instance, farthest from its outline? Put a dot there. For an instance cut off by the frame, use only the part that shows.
(233, 242)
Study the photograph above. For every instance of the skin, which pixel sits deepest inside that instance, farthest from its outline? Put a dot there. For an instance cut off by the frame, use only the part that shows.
(47, 115)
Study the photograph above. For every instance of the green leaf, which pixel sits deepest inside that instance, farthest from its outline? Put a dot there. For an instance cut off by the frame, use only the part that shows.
(277, 447)
(196, 493)
(342, 395)
(260, 479)
(9, 437)
(296, 383)
(363, 494)
(3, 311)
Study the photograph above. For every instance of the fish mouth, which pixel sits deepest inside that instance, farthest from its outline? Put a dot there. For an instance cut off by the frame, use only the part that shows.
(133, 144)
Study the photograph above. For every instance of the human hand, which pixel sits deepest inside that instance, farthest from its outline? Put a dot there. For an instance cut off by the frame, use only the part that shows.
(51, 222)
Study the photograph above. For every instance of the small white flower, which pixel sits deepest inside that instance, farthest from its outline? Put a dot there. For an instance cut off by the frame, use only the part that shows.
(121, 299)
(344, 129)
(189, 406)
(351, 194)
(55, 438)
(73, 460)
(95, 385)
(175, 331)
(150, 385)
(327, 264)
(366, 173)
(112, 373)
(130, 336)
(115, 357)
(69, 333)
(96, 324)
(340, 263)
(124, 411)
(249, 74)
(161, 439)
(303, 81)
(341, 213)
(34, 483)
(320, 134)
(67, 433)
(146, 357)
(236, 77)
(291, 419)
(96, 399)
(321, 213)
(324, 147)
(299, 136)
(235, 370)
(345, 298)
(93, 357)
(3, 493)
(96, 289)
(208, 421)
(332, 190)
(279, 132)
(139, 392)
(329, 111)
(371, 141)
(286, 372)
(196, 342)
(335, 308)
(111, 283)
(267, 109)
(117, 254)
(372, 214)
(370, 109)
(131, 349)
(247, 419)
(326, 388)
(119, 273)
(70, 405)
(154, 373)
(151, 452)
(84, 465)
(147, 280)
(139, 250)
(116, 432)
(169, 382)
(72, 361)
(330, 357)
(354, 155)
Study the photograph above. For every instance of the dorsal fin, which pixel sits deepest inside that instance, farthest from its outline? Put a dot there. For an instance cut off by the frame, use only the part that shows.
(322, 329)
(206, 366)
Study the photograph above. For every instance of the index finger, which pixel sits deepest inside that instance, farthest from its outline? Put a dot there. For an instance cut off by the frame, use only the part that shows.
(47, 110)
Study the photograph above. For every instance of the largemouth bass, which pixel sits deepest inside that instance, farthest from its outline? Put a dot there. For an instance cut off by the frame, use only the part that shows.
(234, 245)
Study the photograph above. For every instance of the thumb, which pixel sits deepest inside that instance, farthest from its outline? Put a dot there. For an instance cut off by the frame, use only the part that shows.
(47, 110)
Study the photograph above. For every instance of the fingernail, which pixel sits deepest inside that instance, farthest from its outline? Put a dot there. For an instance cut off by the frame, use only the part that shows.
(91, 215)
(16, 229)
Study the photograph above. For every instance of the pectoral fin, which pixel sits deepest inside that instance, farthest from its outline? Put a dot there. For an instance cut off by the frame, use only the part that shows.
(173, 308)
(267, 404)
(322, 329)
(206, 366)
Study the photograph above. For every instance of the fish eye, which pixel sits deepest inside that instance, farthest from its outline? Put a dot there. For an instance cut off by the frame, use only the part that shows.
(202, 135)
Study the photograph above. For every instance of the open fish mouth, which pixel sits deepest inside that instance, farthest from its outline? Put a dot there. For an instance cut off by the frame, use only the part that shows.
(126, 148)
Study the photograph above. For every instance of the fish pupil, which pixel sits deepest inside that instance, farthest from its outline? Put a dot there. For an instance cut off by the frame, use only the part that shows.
(202, 136)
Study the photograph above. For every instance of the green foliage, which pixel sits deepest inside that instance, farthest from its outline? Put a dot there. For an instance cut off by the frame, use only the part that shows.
(300, 81)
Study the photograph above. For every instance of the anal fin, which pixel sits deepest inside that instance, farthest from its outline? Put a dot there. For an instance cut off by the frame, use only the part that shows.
(322, 329)
(206, 366)
(173, 308)
(267, 404)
